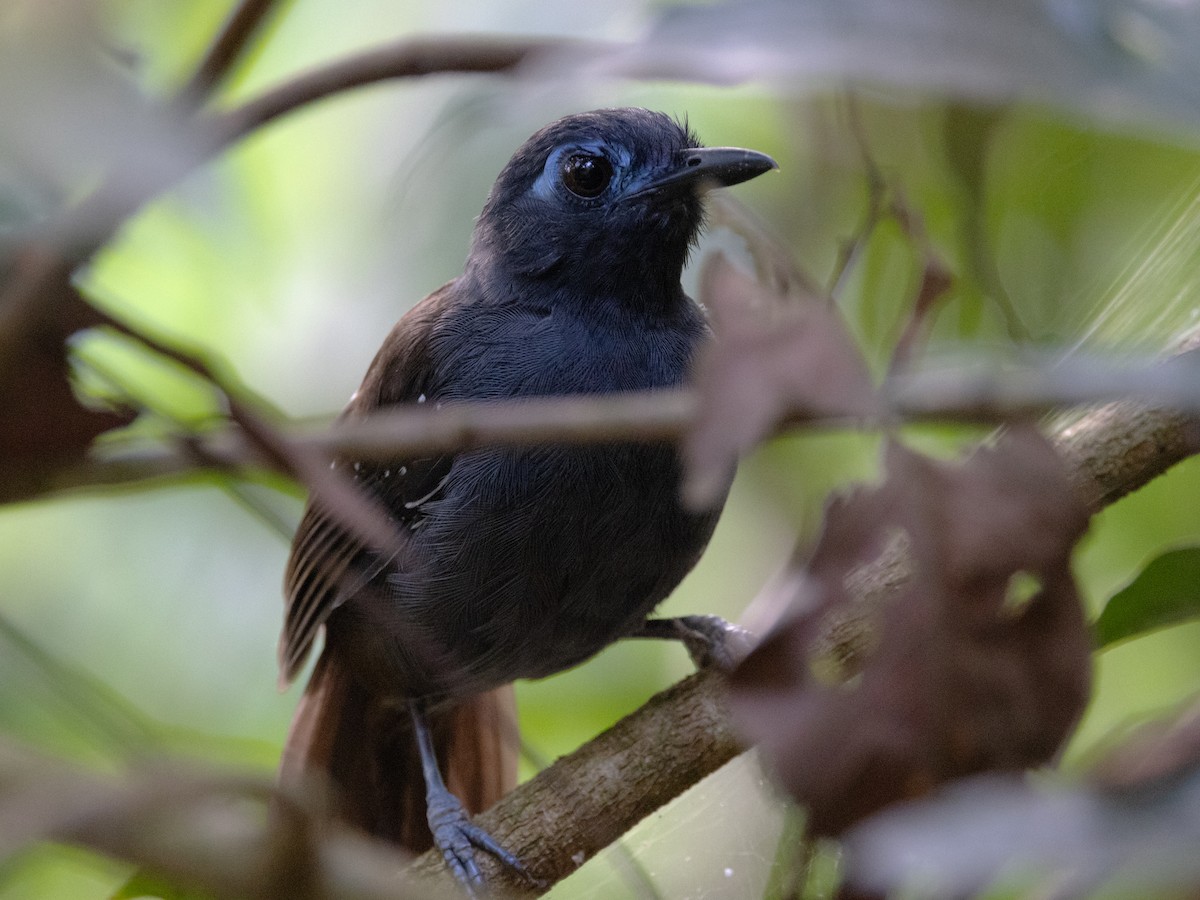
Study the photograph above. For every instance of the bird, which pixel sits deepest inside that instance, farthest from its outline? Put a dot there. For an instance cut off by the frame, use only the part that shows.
(508, 562)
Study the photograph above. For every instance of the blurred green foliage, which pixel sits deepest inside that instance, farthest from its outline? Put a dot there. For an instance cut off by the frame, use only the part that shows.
(1165, 593)
(147, 619)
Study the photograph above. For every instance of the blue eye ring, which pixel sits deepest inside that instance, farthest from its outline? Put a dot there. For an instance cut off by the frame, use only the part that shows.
(586, 175)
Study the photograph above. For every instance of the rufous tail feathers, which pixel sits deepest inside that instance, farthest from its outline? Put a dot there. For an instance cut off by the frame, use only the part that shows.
(365, 750)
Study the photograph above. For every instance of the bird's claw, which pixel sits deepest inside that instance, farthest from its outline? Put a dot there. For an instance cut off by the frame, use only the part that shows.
(457, 837)
(712, 642)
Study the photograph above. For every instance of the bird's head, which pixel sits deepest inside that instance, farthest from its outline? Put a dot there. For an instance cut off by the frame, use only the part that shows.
(610, 199)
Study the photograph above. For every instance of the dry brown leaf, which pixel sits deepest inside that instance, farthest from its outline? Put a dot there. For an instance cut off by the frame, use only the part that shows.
(911, 657)
(775, 358)
(43, 425)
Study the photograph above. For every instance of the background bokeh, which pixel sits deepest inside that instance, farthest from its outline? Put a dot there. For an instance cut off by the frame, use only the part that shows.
(147, 619)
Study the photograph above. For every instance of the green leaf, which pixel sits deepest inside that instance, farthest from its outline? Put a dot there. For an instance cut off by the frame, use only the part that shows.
(144, 885)
(1166, 592)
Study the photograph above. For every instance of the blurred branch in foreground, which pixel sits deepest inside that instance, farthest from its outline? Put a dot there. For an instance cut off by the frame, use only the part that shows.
(1168, 432)
(410, 58)
(203, 829)
(228, 46)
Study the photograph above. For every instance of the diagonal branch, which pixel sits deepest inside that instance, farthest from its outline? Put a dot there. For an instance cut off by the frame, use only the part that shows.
(409, 58)
(587, 800)
(82, 229)
(226, 49)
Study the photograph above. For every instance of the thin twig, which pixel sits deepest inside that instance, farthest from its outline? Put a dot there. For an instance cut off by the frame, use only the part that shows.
(410, 58)
(225, 50)
(391, 434)
(850, 249)
(189, 446)
(357, 512)
(936, 280)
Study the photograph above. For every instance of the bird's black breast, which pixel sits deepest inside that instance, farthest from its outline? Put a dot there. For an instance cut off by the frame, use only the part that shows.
(526, 561)
(515, 344)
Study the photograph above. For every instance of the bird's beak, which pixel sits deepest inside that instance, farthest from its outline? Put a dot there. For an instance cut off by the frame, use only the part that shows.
(711, 166)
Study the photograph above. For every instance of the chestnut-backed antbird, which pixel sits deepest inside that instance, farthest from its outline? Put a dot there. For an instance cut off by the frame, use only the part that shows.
(510, 562)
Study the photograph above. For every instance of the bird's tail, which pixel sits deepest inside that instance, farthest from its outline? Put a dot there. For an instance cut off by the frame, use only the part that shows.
(366, 750)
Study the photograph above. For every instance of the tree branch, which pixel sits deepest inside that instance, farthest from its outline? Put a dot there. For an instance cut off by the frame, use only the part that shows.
(180, 824)
(83, 228)
(587, 800)
(225, 50)
(947, 395)
(1114, 450)
(410, 58)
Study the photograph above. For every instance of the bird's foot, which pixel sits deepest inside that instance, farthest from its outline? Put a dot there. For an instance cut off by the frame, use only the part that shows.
(457, 838)
(711, 642)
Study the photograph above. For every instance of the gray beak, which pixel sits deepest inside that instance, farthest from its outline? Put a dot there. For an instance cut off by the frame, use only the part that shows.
(720, 166)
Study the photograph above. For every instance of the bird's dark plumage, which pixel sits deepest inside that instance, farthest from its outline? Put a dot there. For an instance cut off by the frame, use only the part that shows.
(512, 562)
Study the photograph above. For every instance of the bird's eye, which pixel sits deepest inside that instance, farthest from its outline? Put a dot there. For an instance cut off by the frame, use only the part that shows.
(586, 175)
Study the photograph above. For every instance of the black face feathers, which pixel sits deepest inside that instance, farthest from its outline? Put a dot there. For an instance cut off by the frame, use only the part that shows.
(634, 141)
(609, 198)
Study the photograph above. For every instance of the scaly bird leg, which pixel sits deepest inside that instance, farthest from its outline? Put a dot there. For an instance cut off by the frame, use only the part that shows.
(453, 832)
